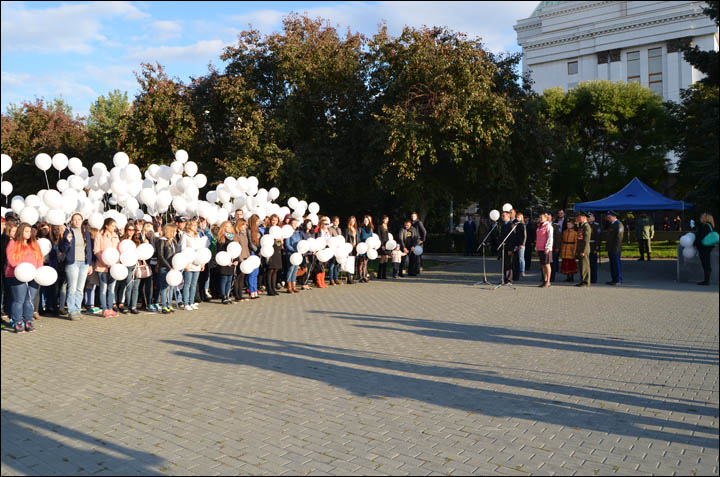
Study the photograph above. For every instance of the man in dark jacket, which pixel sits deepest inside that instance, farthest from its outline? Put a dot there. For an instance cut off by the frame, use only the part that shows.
(595, 240)
(408, 238)
(470, 229)
(614, 247)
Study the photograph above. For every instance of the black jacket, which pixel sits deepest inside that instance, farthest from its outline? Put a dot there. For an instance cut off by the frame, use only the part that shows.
(512, 240)
(222, 247)
(166, 252)
(702, 231)
(420, 230)
(615, 238)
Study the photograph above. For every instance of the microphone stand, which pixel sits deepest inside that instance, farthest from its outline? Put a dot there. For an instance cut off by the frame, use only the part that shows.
(482, 246)
(502, 265)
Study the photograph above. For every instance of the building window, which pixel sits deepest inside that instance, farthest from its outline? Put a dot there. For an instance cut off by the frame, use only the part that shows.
(655, 70)
(603, 57)
(572, 67)
(633, 67)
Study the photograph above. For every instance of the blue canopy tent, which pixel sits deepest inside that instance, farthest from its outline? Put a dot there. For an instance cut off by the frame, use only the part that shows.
(634, 196)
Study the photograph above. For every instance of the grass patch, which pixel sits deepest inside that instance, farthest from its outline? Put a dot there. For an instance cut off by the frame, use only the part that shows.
(663, 249)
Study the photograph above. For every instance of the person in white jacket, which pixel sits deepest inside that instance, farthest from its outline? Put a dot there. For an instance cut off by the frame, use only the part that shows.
(191, 240)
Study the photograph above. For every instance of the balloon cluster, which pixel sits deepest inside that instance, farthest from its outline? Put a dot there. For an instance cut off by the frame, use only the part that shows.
(687, 242)
(125, 192)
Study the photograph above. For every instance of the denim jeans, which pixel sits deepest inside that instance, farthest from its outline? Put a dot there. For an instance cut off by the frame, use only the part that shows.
(90, 296)
(61, 288)
(252, 280)
(76, 274)
(48, 298)
(146, 286)
(123, 289)
(291, 274)
(226, 284)
(521, 259)
(333, 269)
(164, 287)
(189, 288)
(21, 306)
(107, 290)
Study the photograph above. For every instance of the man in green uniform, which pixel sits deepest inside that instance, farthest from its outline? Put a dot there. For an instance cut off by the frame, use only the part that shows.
(595, 240)
(582, 250)
(645, 233)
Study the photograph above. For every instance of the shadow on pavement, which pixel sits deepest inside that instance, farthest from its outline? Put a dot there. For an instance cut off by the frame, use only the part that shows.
(494, 334)
(326, 365)
(27, 440)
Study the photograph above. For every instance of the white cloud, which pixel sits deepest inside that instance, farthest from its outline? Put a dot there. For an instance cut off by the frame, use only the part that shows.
(17, 87)
(202, 51)
(69, 28)
(491, 21)
(164, 30)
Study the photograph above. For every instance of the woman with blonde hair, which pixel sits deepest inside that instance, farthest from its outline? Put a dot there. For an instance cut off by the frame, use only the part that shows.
(24, 247)
(226, 235)
(191, 240)
(705, 228)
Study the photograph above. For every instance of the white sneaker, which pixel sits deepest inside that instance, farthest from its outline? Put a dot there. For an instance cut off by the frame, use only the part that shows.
(194, 306)
(188, 308)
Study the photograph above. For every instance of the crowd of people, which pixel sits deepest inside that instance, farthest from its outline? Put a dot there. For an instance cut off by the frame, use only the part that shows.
(571, 245)
(85, 282)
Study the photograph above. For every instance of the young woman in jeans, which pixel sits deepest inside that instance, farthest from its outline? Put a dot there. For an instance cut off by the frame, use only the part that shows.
(106, 238)
(77, 247)
(290, 247)
(226, 236)
(241, 236)
(365, 231)
(131, 285)
(23, 248)
(191, 240)
(167, 247)
(254, 244)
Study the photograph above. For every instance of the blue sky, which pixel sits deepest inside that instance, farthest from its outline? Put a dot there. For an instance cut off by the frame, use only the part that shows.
(80, 50)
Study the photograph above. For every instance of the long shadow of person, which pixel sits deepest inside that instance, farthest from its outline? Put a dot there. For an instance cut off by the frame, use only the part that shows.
(28, 446)
(289, 359)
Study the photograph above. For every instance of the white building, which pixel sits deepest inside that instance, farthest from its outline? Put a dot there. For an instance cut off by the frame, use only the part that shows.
(566, 42)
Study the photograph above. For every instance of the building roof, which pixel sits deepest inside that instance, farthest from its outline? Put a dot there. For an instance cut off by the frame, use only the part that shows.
(538, 10)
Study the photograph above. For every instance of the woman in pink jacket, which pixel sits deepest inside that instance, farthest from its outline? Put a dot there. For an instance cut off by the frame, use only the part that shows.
(106, 238)
(23, 248)
(544, 246)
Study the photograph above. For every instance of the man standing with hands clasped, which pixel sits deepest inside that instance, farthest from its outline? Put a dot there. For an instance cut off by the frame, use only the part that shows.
(645, 233)
(582, 250)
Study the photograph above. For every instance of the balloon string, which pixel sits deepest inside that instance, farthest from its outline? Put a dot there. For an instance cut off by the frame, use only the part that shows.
(46, 179)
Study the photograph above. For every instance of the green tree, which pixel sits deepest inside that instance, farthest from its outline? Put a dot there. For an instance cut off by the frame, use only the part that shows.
(104, 125)
(605, 134)
(35, 127)
(159, 121)
(441, 119)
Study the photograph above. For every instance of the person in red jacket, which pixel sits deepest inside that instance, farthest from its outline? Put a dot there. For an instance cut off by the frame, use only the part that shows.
(23, 248)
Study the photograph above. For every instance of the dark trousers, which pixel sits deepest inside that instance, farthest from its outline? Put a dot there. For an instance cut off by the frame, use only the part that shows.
(516, 266)
(644, 246)
(704, 253)
(555, 265)
(414, 268)
(469, 245)
(239, 284)
(528, 255)
(396, 269)
(508, 267)
(202, 280)
(593, 267)
(271, 281)
(615, 267)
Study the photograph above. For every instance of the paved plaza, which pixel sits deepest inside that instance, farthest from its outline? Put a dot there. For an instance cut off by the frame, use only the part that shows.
(427, 375)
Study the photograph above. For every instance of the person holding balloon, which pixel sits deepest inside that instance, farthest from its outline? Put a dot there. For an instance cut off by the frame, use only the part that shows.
(254, 243)
(23, 258)
(106, 255)
(365, 231)
(10, 228)
(241, 236)
(191, 240)
(77, 247)
(226, 267)
(167, 248)
(351, 237)
(274, 261)
(130, 286)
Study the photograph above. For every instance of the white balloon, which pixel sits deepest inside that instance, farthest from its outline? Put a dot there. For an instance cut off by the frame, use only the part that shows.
(99, 169)
(273, 193)
(494, 215)
(325, 255)
(507, 207)
(174, 278)
(62, 185)
(145, 251)
(390, 245)
(55, 217)
(110, 256)
(303, 246)
(276, 232)
(96, 220)
(180, 261)
(234, 249)
(45, 246)
(52, 198)
(29, 215)
(129, 257)
(191, 168)
(43, 161)
(314, 219)
(292, 202)
(247, 267)
(687, 240)
(181, 156)
(119, 271)
(266, 240)
(203, 256)
(16, 204)
(200, 180)
(689, 252)
(362, 248)
(25, 272)
(313, 208)
(6, 188)
(6, 163)
(120, 159)
(372, 254)
(75, 165)
(418, 250)
(223, 259)
(126, 246)
(267, 252)
(296, 258)
(287, 231)
(176, 167)
(76, 182)
(45, 276)
(60, 161)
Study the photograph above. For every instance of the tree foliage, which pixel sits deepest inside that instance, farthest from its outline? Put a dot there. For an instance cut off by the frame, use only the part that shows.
(104, 125)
